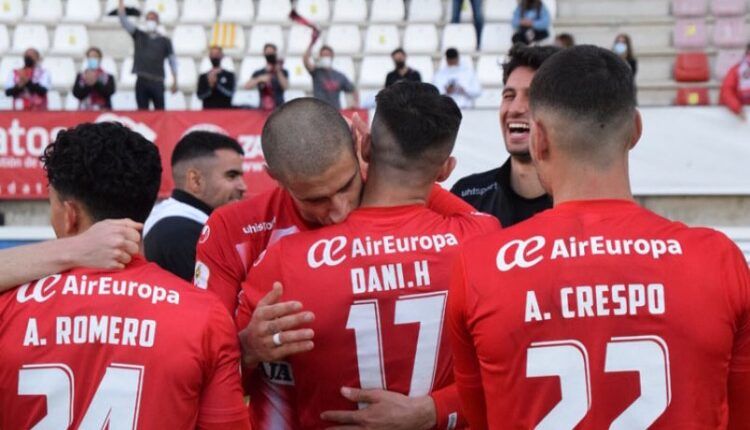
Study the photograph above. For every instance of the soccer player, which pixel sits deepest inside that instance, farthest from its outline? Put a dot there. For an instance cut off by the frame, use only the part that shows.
(598, 313)
(377, 283)
(134, 348)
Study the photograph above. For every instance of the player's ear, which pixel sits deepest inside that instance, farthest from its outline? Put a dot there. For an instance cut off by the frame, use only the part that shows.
(366, 148)
(71, 218)
(638, 129)
(447, 169)
(194, 180)
(539, 141)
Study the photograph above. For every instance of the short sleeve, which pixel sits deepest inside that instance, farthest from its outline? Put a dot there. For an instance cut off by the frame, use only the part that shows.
(737, 277)
(218, 267)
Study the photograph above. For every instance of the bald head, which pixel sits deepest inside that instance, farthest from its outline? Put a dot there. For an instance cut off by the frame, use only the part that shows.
(305, 137)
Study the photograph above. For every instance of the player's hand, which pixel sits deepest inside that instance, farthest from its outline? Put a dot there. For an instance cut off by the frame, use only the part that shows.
(271, 317)
(384, 410)
(108, 244)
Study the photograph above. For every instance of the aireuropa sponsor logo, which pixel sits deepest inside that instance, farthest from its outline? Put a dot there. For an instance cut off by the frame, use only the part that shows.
(136, 126)
(38, 291)
(528, 253)
(327, 252)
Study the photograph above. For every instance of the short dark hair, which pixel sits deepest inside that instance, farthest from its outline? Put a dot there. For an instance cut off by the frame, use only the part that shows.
(567, 39)
(451, 53)
(522, 55)
(326, 48)
(111, 170)
(398, 51)
(94, 49)
(270, 45)
(198, 144)
(414, 126)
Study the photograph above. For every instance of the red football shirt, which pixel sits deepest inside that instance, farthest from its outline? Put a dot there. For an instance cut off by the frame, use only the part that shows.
(599, 314)
(377, 284)
(136, 348)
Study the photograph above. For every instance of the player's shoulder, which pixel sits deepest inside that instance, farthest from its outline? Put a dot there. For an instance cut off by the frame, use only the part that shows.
(263, 208)
(187, 296)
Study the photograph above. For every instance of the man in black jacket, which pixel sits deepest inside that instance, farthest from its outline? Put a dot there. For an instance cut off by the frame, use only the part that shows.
(216, 87)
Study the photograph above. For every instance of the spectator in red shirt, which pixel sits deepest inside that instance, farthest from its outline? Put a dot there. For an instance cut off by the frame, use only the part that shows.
(735, 90)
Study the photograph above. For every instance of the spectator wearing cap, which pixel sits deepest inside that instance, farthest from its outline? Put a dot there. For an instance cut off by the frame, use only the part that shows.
(94, 87)
(29, 84)
(531, 21)
(457, 80)
(735, 89)
(402, 72)
(216, 87)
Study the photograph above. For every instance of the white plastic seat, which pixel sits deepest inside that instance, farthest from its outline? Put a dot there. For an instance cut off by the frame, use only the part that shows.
(551, 8)
(345, 65)
(497, 38)
(294, 94)
(189, 39)
(725, 60)
(423, 64)
(299, 77)
(127, 77)
(420, 39)
(314, 10)
(71, 102)
(366, 98)
(299, 40)
(46, 11)
(198, 11)
(246, 98)
(273, 11)
(124, 100)
(381, 39)
(11, 11)
(195, 103)
(387, 11)
(459, 36)
(54, 101)
(71, 39)
(4, 39)
(239, 11)
(500, 10)
(231, 37)
(248, 67)
(167, 10)
(83, 11)
(262, 34)
(30, 36)
(175, 101)
(373, 71)
(349, 11)
(62, 72)
(8, 64)
(489, 71)
(227, 63)
(425, 11)
(344, 39)
(489, 99)
(187, 75)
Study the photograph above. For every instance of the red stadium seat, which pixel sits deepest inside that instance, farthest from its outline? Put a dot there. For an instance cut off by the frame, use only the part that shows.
(692, 67)
(686, 8)
(728, 7)
(690, 33)
(730, 32)
(692, 97)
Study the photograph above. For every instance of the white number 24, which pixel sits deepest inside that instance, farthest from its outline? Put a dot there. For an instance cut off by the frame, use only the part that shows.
(568, 359)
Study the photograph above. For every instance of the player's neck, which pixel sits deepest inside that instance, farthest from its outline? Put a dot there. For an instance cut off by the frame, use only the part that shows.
(524, 180)
(582, 182)
(395, 191)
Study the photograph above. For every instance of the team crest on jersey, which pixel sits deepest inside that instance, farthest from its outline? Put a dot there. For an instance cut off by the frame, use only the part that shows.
(200, 277)
(204, 234)
(278, 372)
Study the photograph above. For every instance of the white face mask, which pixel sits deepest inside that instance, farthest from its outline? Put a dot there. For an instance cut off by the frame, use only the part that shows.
(620, 48)
(325, 62)
(151, 25)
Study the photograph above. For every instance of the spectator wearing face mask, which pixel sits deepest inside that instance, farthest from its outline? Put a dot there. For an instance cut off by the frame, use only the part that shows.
(328, 83)
(457, 80)
(94, 87)
(151, 49)
(271, 80)
(28, 85)
(623, 47)
(216, 87)
(735, 89)
(402, 72)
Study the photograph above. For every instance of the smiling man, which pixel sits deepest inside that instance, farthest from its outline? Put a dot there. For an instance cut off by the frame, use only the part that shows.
(512, 192)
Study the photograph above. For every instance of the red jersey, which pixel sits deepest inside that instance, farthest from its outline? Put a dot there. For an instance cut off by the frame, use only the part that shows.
(377, 284)
(599, 314)
(136, 348)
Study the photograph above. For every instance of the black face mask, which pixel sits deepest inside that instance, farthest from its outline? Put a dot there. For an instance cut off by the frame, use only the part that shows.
(215, 62)
(271, 58)
(400, 64)
(29, 62)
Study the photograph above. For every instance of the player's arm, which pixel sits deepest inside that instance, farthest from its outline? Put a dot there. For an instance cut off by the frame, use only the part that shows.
(385, 410)
(107, 244)
(739, 367)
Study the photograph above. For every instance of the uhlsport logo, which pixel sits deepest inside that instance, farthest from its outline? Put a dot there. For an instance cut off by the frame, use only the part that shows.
(327, 252)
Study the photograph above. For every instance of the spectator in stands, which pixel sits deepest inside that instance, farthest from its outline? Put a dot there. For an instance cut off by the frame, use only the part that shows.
(327, 81)
(735, 89)
(531, 21)
(402, 72)
(565, 40)
(29, 84)
(94, 87)
(624, 48)
(151, 49)
(271, 80)
(216, 87)
(476, 7)
(457, 80)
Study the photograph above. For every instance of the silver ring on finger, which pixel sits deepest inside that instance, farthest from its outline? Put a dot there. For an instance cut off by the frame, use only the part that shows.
(277, 339)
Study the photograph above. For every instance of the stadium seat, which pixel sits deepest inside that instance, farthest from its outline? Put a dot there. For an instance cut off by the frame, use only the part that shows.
(293, 94)
(189, 39)
(273, 11)
(344, 39)
(299, 40)
(425, 11)
(231, 37)
(692, 97)
(62, 72)
(497, 38)
(467, 13)
(262, 34)
(83, 11)
(198, 11)
(175, 101)
(4, 39)
(423, 64)
(248, 66)
(689, 8)
(420, 39)
(316, 11)
(366, 98)
(298, 76)
(345, 65)
(489, 99)
(195, 103)
(349, 11)
(725, 60)
(489, 71)
(46, 11)
(124, 100)
(387, 11)
(71, 39)
(7, 65)
(238, 11)
(71, 102)
(499, 10)
(690, 33)
(127, 77)
(11, 11)
(691, 67)
(728, 7)
(167, 9)
(373, 71)
(551, 7)
(381, 39)
(459, 36)
(246, 98)
(730, 32)
(187, 75)
(54, 101)
(227, 63)
(30, 36)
